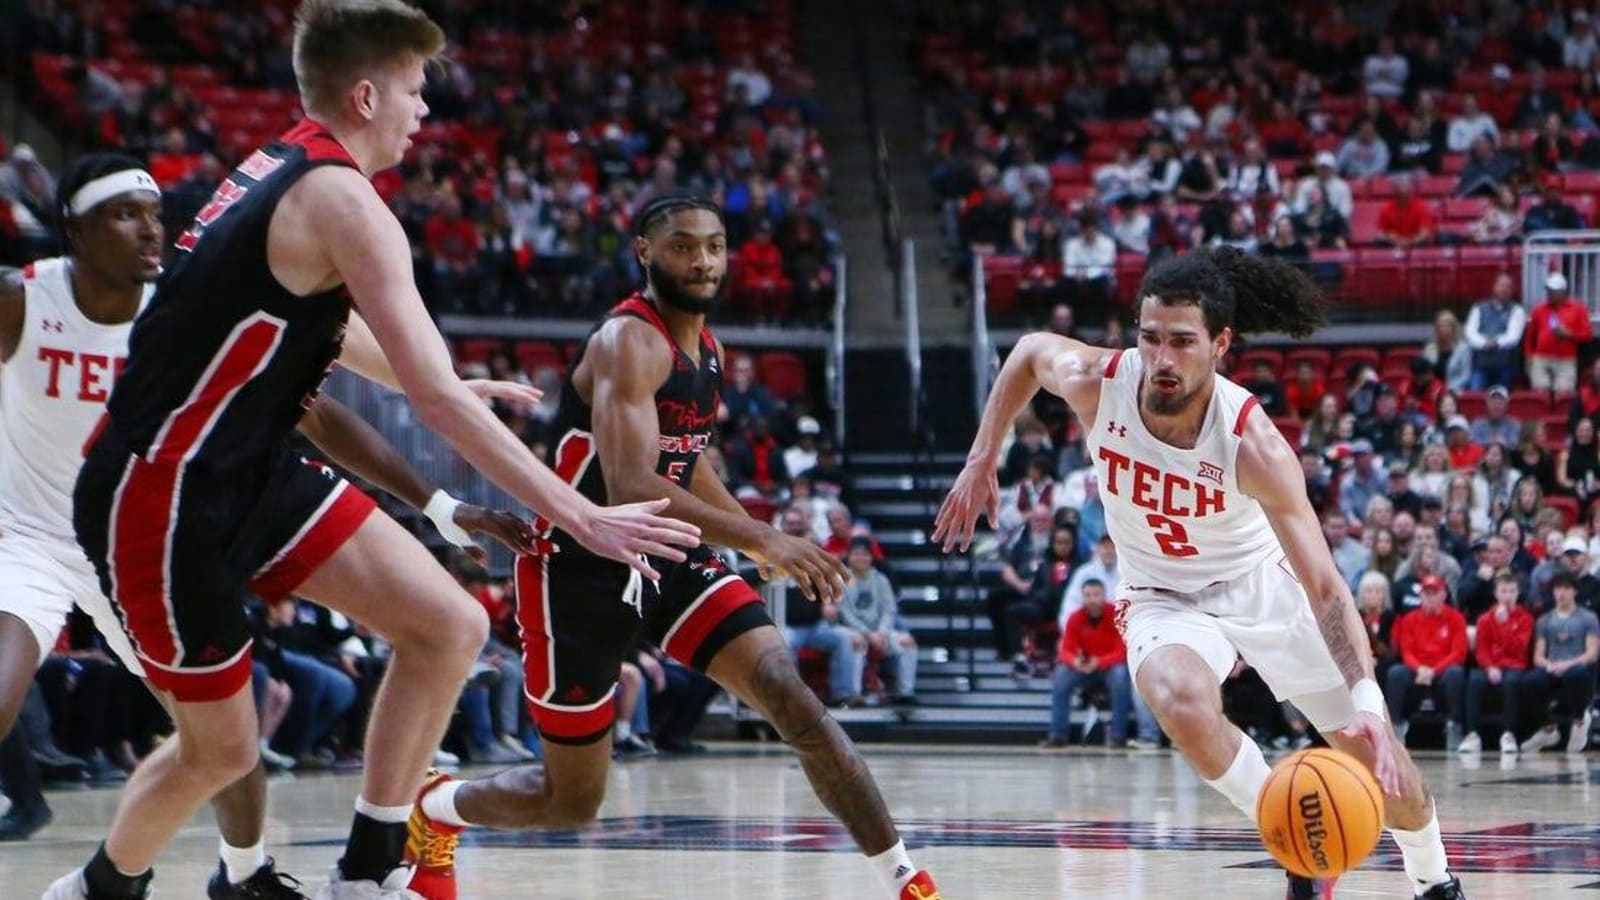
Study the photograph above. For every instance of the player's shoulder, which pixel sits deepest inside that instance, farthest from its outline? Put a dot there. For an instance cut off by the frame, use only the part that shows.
(629, 344)
(336, 190)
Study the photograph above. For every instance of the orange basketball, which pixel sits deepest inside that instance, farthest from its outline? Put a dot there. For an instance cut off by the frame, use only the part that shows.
(1320, 813)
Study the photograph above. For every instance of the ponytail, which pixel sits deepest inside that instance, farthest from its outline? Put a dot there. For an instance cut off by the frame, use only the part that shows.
(1250, 294)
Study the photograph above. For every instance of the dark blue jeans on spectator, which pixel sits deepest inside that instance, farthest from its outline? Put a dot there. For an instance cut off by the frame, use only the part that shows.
(1451, 685)
(1485, 377)
(677, 710)
(1574, 688)
(1509, 689)
(474, 706)
(1067, 682)
(322, 694)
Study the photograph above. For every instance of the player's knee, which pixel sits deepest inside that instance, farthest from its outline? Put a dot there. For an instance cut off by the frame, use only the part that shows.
(459, 630)
(219, 759)
(1180, 705)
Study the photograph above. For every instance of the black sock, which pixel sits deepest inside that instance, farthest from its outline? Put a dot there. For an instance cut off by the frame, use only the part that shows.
(375, 849)
(106, 883)
(19, 771)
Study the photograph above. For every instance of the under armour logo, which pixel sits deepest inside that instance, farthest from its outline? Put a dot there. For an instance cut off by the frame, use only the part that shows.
(1211, 471)
(53, 325)
(1118, 430)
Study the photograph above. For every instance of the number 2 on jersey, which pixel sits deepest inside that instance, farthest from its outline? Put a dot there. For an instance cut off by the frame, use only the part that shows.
(1171, 536)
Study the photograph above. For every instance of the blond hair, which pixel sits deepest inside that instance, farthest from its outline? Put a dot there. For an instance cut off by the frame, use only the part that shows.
(339, 42)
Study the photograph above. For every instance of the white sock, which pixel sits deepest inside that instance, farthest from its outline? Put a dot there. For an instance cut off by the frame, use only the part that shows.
(242, 862)
(624, 730)
(894, 868)
(1243, 781)
(1423, 853)
(439, 804)
(386, 814)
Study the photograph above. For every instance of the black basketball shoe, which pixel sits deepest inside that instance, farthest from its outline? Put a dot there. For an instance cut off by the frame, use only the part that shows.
(266, 884)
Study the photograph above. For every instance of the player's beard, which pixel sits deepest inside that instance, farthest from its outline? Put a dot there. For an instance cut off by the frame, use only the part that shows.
(670, 291)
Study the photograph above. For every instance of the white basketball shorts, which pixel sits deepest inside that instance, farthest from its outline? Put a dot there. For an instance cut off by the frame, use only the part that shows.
(41, 578)
(1263, 616)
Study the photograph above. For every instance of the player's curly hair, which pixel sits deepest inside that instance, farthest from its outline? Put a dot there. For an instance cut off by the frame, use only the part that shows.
(1249, 293)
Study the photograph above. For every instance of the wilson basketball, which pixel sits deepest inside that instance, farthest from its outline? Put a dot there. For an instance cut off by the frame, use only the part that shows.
(1320, 813)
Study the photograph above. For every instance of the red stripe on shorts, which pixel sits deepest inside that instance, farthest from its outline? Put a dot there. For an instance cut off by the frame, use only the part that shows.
(718, 602)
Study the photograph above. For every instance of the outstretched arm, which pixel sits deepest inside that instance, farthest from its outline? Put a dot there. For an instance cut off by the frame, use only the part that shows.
(364, 244)
(1067, 368)
(354, 444)
(628, 363)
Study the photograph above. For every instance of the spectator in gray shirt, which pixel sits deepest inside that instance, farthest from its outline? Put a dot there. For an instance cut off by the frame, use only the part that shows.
(870, 608)
(1566, 645)
(1497, 426)
(1348, 554)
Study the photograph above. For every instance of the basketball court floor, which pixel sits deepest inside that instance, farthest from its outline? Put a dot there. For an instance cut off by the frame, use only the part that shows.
(992, 823)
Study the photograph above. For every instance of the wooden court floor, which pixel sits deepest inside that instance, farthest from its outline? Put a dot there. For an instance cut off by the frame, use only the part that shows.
(741, 823)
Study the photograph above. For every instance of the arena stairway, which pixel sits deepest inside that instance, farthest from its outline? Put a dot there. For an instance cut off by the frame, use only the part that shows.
(964, 692)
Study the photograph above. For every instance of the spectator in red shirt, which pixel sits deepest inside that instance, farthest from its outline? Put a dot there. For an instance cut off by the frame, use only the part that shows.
(174, 162)
(453, 243)
(1556, 329)
(1432, 643)
(1464, 454)
(762, 283)
(1304, 393)
(756, 461)
(1422, 391)
(1505, 635)
(841, 528)
(1092, 655)
(1405, 221)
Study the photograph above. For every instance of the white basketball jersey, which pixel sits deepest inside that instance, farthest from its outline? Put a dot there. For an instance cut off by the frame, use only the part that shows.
(53, 391)
(1177, 516)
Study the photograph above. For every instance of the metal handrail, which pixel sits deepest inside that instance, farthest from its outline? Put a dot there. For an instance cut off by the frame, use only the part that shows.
(910, 307)
(1577, 256)
(835, 363)
(985, 359)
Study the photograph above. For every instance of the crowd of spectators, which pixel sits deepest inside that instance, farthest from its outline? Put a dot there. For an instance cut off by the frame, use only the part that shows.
(551, 123)
(1082, 139)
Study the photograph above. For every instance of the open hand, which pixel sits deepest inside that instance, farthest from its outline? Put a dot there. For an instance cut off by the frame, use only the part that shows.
(511, 391)
(820, 575)
(975, 493)
(633, 531)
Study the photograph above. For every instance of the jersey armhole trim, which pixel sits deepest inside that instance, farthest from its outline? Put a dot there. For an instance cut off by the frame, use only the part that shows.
(1244, 416)
(1111, 364)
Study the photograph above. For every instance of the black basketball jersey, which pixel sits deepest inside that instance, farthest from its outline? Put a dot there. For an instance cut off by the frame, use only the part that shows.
(686, 412)
(225, 360)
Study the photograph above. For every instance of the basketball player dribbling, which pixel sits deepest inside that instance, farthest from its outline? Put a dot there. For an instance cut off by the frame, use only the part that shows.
(190, 496)
(1221, 553)
(64, 326)
(636, 412)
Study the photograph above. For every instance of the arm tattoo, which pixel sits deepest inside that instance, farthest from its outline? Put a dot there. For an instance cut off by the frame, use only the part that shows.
(1351, 661)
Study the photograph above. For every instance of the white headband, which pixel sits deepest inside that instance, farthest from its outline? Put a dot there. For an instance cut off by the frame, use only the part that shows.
(104, 188)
